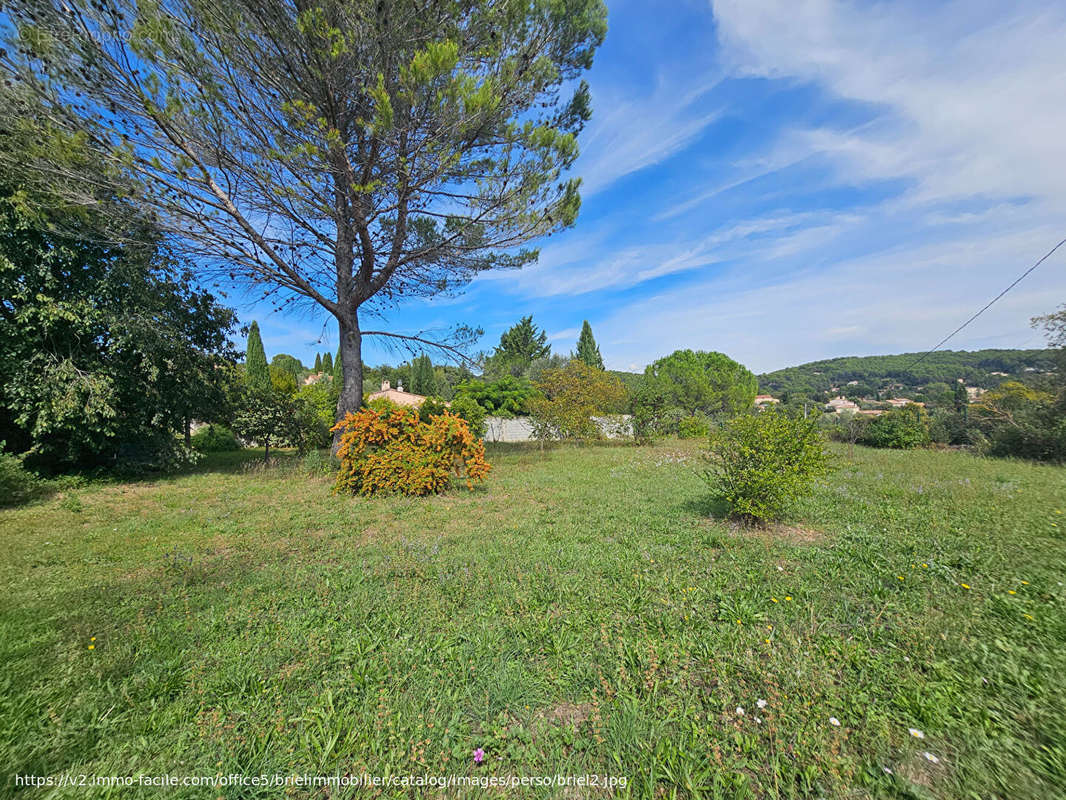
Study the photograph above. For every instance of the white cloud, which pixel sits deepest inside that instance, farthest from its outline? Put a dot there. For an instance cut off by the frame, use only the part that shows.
(970, 91)
(628, 133)
(903, 299)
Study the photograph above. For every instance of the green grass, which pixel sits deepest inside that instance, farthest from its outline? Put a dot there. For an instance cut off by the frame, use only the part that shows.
(582, 612)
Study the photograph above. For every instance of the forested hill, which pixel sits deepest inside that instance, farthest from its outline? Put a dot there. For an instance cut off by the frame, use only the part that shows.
(976, 368)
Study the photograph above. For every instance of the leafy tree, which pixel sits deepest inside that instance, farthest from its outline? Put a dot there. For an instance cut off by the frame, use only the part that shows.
(423, 379)
(901, 428)
(569, 400)
(686, 382)
(759, 464)
(107, 351)
(281, 381)
(520, 345)
(290, 364)
(587, 350)
(256, 369)
(271, 418)
(342, 154)
(1021, 421)
(317, 402)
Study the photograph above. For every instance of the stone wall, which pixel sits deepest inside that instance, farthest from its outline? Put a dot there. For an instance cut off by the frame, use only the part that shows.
(519, 429)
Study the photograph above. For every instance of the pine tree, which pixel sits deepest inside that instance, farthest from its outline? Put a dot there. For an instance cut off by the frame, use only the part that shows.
(256, 371)
(318, 363)
(587, 349)
(327, 363)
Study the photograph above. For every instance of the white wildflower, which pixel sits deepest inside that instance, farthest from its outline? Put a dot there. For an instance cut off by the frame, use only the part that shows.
(760, 703)
(930, 757)
(917, 734)
(740, 711)
(834, 722)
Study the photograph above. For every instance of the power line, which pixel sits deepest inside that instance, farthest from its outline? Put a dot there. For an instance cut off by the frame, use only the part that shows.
(988, 305)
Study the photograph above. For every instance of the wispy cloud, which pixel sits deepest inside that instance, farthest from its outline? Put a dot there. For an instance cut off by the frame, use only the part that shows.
(629, 133)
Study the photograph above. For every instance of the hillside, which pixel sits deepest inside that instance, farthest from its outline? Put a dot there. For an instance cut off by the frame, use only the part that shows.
(976, 368)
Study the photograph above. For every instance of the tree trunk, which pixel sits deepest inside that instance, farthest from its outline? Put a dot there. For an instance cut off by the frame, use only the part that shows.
(266, 451)
(188, 433)
(351, 353)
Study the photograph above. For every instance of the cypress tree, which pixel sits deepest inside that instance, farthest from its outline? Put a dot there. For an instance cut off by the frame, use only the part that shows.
(327, 363)
(338, 370)
(256, 371)
(423, 379)
(587, 349)
(318, 363)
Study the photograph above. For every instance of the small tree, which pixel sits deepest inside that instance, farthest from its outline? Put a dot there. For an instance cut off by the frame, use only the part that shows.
(760, 463)
(587, 349)
(900, 428)
(256, 369)
(570, 399)
(271, 419)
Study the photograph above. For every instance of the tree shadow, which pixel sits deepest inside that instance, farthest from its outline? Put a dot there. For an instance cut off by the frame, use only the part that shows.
(706, 507)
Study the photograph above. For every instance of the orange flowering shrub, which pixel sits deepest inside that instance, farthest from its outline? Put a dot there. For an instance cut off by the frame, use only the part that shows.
(393, 451)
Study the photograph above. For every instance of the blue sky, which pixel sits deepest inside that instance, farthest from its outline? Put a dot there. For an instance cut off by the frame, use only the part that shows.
(789, 180)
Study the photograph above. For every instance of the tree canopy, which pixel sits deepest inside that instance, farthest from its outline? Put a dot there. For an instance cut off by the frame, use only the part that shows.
(344, 154)
(520, 345)
(108, 351)
(688, 382)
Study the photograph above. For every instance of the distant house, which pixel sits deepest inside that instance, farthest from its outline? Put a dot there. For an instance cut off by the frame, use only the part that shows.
(1000, 374)
(840, 404)
(871, 412)
(973, 392)
(398, 396)
(900, 402)
(765, 399)
(314, 377)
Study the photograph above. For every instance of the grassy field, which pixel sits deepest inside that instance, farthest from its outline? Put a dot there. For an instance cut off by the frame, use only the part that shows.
(582, 612)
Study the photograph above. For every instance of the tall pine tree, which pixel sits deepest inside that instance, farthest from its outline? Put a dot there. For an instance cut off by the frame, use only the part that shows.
(256, 371)
(587, 349)
(327, 363)
(318, 363)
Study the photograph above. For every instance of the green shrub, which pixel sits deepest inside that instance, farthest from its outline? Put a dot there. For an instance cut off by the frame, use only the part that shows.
(215, 439)
(761, 463)
(901, 428)
(17, 484)
(468, 409)
(431, 407)
(694, 426)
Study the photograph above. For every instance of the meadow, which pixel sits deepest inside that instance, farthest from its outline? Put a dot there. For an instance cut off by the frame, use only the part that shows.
(585, 611)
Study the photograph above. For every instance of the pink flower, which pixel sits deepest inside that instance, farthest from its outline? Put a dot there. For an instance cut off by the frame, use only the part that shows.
(479, 756)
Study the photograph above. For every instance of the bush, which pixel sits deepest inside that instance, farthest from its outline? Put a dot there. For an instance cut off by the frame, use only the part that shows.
(468, 409)
(901, 428)
(431, 407)
(761, 463)
(215, 439)
(17, 484)
(394, 451)
(317, 403)
(694, 426)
